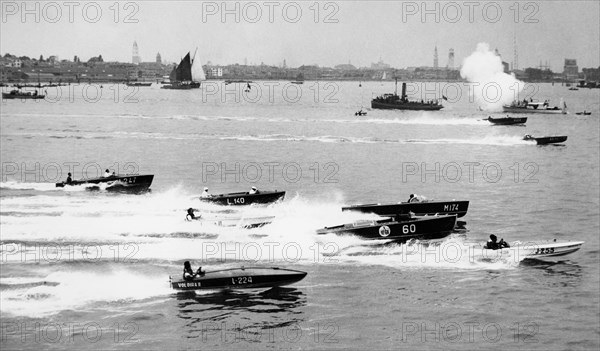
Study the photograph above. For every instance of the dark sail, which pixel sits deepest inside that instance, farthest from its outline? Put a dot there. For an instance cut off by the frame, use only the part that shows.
(173, 75)
(184, 70)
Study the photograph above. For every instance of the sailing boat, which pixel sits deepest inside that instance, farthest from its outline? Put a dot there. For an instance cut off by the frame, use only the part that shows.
(187, 75)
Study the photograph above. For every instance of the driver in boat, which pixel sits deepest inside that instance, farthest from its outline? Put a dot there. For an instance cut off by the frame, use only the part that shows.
(188, 274)
(69, 179)
(494, 244)
(416, 198)
(253, 191)
(190, 215)
(107, 173)
(205, 193)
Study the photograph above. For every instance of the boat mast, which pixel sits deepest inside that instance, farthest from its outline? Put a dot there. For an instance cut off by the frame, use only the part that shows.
(396, 89)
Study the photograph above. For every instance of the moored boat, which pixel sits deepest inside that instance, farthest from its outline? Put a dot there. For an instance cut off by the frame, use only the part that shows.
(241, 278)
(17, 94)
(138, 84)
(507, 120)
(395, 102)
(535, 107)
(116, 183)
(458, 208)
(403, 229)
(245, 198)
(547, 139)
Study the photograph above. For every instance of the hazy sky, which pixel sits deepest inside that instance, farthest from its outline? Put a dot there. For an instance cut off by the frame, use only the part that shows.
(402, 33)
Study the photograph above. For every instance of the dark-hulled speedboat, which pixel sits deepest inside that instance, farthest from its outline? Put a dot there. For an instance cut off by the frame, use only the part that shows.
(505, 121)
(241, 278)
(116, 183)
(546, 140)
(240, 199)
(420, 227)
(458, 208)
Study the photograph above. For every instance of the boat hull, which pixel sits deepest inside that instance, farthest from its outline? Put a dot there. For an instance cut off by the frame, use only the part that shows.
(458, 208)
(536, 249)
(548, 140)
(133, 183)
(10, 96)
(424, 228)
(505, 121)
(247, 223)
(413, 106)
(241, 199)
(241, 278)
(554, 110)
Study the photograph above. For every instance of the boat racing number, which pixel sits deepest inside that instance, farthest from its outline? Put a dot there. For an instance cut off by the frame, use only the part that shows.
(128, 180)
(241, 280)
(236, 200)
(544, 250)
(451, 207)
(385, 231)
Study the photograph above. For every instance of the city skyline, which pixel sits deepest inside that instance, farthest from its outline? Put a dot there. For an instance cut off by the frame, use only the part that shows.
(402, 34)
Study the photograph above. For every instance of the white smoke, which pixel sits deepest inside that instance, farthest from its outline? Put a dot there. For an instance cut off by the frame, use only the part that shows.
(491, 87)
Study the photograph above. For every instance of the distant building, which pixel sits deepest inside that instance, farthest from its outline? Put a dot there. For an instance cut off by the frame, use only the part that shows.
(215, 72)
(135, 59)
(451, 59)
(571, 70)
(380, 65)
(158, 58)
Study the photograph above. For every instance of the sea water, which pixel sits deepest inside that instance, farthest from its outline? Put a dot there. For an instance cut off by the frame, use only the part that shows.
(88, 269)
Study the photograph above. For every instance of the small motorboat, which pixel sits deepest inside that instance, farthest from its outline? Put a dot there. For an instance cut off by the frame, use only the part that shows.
(546, 140)
(583, 113)
(240, 278)
(245, 198)
(401, 228)
(138, 84)
(360, 113)
(17, 94)
(507, 120)
(115, 183)
(536, 249)
(458, 208)
(240, 222)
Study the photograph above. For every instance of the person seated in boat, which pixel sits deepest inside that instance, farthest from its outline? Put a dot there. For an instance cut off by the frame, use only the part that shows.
(106, 173)
(69, 179)
(494, 244)
(253, 191)
(190, 215)
(416, 198)
(188, 273)
(205, 193)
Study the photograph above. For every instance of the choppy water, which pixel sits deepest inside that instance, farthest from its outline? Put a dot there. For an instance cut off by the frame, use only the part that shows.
(89, 270)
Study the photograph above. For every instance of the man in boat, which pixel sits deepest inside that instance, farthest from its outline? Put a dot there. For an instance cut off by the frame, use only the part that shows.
(188, 274)
(494, 244)
(205, 193)
(106, 173)
(69, 179)
(416, 198)
(190, 215)
(253, 191)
